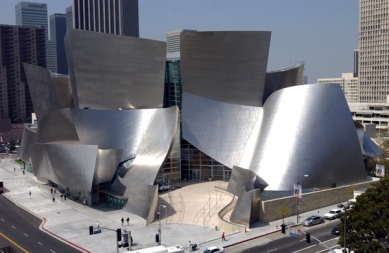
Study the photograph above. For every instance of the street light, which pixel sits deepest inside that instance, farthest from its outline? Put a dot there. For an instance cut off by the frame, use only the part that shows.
(159, 218)
(297, 195)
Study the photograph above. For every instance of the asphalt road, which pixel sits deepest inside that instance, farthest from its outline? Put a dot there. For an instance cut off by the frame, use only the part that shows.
(20, 230)
(284, 243)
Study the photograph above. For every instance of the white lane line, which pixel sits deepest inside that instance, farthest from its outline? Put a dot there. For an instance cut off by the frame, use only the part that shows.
(25, 234)
(325, 250)
(52, 251)
(273, 250)
(13, 226)
(2, 219)
(40, 243)
(305, 248)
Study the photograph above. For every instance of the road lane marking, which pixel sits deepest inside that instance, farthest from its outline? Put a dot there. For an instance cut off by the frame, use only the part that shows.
(304, 248)
(40, 243)
(2, 219)
(25, 234)
(13, 226)
(336, 246)
(273, 250)
(17, 245)
(52, 251)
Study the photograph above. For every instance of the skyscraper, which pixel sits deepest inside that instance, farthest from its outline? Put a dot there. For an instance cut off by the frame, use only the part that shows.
(373, 69)
(69, 17)
(18, 44)
(35, 14)
(107, 16)
(57, 33)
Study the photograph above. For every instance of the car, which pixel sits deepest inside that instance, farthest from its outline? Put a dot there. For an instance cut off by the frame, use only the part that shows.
(335, 231)
(214, 250)
(340, 205)
(165, 187)
(313, 220)
(332, 214)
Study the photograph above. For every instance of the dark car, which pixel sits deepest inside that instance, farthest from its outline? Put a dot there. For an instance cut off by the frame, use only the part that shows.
(335, 231)
(340, 205)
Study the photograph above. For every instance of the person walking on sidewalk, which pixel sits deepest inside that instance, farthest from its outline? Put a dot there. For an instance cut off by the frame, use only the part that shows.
(24, 172)
(14, 169)
(51, 190)
(97, 226)
(29, 194)
(128, 221)
(223, 237)
(122, 221)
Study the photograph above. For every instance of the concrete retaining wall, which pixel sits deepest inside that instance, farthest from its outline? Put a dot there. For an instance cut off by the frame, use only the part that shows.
(309, 201)
(227, 226)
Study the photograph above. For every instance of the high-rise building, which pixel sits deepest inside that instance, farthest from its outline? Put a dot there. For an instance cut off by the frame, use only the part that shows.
(35, 14)
(356, 63)
(349, 85)
(107, 16)
(69, 17)
(57, 33)
(18, 44)
(373, 51)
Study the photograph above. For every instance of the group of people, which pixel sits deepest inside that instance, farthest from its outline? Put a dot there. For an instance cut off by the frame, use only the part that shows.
(127, 220)
(24, 171)
(54, 191)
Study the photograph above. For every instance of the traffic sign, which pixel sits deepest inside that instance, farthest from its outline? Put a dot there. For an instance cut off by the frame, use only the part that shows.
(159, 231)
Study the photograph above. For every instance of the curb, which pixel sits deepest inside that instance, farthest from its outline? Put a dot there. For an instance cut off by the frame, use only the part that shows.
(41, 226)
(258, 236)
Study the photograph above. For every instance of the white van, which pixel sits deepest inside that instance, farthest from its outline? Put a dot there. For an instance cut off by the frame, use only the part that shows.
(160, 249)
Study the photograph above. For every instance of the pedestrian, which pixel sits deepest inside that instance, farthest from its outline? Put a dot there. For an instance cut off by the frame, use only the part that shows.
(64, 196)
(61, 197)
(14, 169)
(223, 237)
(53, 198)
(97, 226)
(24, 172)
(189, 246)
(51, 190)
(122, 220)
(29, 194)
(128, 221)
(55, 190)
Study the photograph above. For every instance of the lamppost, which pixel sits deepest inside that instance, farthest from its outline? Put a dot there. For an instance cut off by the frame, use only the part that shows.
(159, 218)
(297, 195)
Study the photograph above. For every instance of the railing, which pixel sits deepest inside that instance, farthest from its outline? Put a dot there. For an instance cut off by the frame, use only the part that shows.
(226, 225)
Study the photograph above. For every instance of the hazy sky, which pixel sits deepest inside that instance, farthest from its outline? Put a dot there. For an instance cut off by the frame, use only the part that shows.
(323, 33)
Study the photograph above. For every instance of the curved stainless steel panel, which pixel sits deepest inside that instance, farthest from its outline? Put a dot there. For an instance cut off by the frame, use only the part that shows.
(220, 130)
(43, 95)
(109, 71)
(63, 90)
(306, 129)
(64, 164)
(368, 147)
(225, 66)
(107, 162)
(58, 127)
(28, 140)
(283, 78)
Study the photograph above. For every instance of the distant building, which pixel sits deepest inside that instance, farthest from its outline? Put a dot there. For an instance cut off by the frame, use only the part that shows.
(356, 62)
(349, 85)
(35, 14)
(115, 17)
(305, 79)
(373, 67)
(19, 44)
(69, 17)
(58, 31)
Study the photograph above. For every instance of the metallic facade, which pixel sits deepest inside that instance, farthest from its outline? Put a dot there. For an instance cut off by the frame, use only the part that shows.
(111, 72)
(214, 65)
(81, 149)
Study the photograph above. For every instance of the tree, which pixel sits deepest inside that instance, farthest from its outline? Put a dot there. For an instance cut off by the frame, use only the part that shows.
(284, 211)
(367, 223)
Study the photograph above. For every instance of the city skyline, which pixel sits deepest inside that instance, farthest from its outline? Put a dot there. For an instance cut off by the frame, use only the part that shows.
(316, 32)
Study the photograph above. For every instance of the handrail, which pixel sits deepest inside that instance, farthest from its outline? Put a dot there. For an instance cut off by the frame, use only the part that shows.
(228, 208)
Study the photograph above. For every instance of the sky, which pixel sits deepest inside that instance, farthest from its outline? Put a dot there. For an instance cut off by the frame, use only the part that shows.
(322, 33)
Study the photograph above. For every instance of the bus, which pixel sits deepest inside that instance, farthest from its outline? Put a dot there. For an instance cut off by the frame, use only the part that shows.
(1, 186)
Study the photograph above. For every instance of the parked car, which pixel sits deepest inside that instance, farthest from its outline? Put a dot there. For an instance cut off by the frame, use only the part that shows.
(313, 220)
(214, 250)
(340, 205)
(335, 231)
(332, 214)
(165, 187)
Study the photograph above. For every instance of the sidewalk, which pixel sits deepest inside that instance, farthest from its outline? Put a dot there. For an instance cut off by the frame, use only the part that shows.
(69, 221)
